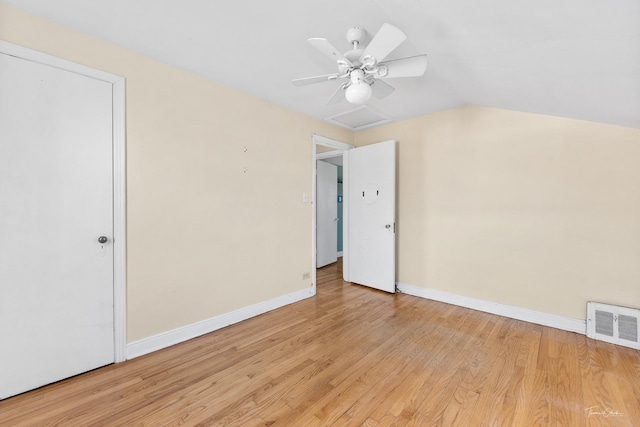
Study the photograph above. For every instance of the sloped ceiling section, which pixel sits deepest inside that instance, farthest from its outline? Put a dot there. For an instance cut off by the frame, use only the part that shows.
(571, 58)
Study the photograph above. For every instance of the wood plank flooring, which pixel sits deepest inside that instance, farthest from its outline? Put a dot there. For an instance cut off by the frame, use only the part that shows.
(352, 356)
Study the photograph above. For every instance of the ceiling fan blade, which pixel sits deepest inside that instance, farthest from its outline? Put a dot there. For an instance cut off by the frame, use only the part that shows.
(328, 50)
(384, 42)
(338, 95)
(311, 80)
(381, 89)
(414, 66)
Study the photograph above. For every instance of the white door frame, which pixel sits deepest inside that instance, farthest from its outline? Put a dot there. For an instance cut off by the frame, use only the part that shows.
(119, 179)
(338, 150)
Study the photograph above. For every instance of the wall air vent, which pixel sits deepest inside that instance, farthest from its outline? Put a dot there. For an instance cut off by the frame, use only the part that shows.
(613, 324)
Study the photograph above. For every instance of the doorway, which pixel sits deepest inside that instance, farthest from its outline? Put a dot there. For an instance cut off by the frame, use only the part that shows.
(369, 227)
(332, 151)
(326, 206)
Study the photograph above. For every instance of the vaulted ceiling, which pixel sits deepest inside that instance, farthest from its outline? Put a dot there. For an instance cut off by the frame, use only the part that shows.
(569, 58)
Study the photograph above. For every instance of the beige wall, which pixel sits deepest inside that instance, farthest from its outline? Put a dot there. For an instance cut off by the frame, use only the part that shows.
(522, 209)
(214, 184)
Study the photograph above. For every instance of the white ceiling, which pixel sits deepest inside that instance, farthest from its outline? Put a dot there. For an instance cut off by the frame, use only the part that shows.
(570, 58)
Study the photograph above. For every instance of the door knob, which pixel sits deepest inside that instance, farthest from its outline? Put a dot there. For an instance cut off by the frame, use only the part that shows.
(103, 239)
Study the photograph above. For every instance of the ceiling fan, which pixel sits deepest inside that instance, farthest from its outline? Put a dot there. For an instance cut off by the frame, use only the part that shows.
(363, 68)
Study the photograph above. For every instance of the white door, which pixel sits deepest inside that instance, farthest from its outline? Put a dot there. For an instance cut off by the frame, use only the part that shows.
(326, 213)
(371, 184)
(56, 279)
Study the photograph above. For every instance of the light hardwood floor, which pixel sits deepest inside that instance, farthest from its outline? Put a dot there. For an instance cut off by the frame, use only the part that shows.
(354, 356)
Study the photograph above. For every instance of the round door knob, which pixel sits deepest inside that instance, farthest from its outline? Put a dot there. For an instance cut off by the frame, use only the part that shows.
(103, 239)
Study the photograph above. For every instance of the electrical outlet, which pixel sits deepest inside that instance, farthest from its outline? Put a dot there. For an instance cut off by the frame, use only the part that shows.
(306, 276)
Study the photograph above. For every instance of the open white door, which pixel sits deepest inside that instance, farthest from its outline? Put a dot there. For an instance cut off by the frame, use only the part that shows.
(327, 213)
(371, 196)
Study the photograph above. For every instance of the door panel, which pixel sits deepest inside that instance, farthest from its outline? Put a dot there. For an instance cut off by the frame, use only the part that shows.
(326, 213)
(56, 280)
(371, 209)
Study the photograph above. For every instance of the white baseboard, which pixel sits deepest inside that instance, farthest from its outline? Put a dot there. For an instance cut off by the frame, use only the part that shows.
(175, 336)
(339, 254)
(538, 317)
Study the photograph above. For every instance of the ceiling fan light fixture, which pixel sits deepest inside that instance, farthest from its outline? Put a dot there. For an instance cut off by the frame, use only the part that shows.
(363, 67)
(358, 93)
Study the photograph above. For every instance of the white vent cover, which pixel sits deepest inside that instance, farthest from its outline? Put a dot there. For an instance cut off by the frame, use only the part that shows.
(360, 118)
(614, 324)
